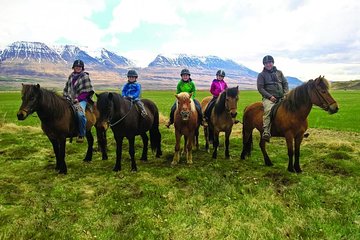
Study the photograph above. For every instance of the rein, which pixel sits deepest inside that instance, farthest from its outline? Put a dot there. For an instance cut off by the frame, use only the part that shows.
(123, 117)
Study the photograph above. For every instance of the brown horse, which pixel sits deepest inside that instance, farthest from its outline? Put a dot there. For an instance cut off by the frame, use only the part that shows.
(57, 121)
(186, 123)
(222, 118)
(290, 120)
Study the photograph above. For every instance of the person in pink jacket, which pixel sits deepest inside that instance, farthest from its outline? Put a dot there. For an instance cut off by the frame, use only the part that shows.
(217, 86)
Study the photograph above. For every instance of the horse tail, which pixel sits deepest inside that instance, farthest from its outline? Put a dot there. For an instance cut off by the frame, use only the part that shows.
(155, 136)
(247, 136)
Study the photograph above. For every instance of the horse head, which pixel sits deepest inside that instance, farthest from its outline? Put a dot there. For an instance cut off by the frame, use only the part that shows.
(30, 96)
(320, 96)
(185, 105)
(231, 99)
(105, 109)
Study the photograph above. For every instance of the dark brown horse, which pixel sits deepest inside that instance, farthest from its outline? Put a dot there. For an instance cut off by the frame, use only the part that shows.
(57, 121)
(125, 121)
(290, 120)
(186, 123)
(222, 118)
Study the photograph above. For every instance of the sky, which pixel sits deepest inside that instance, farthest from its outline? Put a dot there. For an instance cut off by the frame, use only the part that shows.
(307, 38)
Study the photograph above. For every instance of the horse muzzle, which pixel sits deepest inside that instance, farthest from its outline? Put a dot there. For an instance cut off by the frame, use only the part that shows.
(233, 114)
(333, 108)
(185, 115)
(22, 115)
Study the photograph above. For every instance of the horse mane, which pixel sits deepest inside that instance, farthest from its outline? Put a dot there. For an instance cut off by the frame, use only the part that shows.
(184, 96)
(53, 103)
(299, 96)
(220, 102)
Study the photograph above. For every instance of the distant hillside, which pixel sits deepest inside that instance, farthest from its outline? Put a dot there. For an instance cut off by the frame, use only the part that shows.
(348, 85)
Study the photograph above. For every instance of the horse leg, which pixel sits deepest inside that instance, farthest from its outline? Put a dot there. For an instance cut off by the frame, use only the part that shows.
(90, 141)
(266, 156)
(145, 141)
(132, 153)
(215, 143)
(247, 143)
(227, 143)
(119, 141)
(185, 145)
(197, 138)
(298, 141)
(102, 142)
(56, 148)
(289, 143)
(189, 149)
(62, 164)
(206, 135)
(177, 149)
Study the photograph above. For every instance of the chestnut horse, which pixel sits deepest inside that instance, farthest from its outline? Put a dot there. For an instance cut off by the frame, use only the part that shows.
(222, 118)
(58, 121)
(290, 120)
(186, 123)
(125, 121)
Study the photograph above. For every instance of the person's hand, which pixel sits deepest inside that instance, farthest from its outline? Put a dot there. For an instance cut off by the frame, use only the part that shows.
(76, 101)
(273, 99)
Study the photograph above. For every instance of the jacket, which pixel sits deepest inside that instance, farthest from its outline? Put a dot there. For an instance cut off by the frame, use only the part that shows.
(131, 90)
(217, 86)
(272, 83)
(188, 87)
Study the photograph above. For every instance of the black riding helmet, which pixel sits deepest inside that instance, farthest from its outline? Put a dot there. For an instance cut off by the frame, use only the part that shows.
(220, 73)
(185, 71)
(268, 58)
(132, 73)
(78, 63)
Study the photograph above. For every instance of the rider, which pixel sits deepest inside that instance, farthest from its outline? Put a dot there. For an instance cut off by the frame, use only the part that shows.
(131, 90)
(186, 84)
(79, 90)
(273, 86)
(217, 86)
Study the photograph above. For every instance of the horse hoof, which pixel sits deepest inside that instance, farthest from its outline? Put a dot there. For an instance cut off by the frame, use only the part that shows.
(63, 172)
(87, 160)
(105, 158)
(291, 170)
(269, 164)
(115, 169)
(298, 170)
(133, 170)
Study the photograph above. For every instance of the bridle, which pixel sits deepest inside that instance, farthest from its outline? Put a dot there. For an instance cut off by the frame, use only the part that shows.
(121, 119)
(313, 87)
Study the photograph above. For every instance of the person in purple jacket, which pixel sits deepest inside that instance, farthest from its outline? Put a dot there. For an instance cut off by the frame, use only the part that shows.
(78, 90)
(217, 86)
(132, 90)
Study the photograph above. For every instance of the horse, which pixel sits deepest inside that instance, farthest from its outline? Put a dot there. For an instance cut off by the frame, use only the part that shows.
(125, 121)
(290, 120)
(186, 123)
(222, 118)
(58, 121)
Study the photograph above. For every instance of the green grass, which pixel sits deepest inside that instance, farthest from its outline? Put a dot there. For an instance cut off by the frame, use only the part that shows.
(212, 199)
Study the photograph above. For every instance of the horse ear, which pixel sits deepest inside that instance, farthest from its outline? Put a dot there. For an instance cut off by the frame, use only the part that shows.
(176, 96)
(110, 96)
(38, 86)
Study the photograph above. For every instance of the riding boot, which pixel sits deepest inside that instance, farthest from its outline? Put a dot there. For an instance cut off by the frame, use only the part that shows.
(172, 111)
(142, 109)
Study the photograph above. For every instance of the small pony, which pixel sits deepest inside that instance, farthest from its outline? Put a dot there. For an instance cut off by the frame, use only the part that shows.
(58, 121)
(186, 123)
(290, 120)
(125, 121)
(222, 118)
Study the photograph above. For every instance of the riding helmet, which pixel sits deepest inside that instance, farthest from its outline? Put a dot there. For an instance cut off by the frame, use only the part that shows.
(78, 63)
(268, 58)
(220, 73)
(132, 73)
(185, 71)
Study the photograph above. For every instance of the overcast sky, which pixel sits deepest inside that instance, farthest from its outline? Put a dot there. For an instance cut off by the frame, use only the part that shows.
(306, 38)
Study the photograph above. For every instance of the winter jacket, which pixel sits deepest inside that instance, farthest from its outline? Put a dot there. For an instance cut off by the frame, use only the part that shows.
(188, 87)
(131, 90)
(217, 86)
(272, 83)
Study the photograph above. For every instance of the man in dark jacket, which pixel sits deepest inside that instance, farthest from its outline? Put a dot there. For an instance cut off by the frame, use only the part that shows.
(273, 86)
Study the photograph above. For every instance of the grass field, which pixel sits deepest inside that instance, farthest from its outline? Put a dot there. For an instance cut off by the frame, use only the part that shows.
(212, 199)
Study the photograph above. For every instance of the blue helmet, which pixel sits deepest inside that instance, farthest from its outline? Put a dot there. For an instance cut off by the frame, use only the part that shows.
(78, 63)
(132, 73)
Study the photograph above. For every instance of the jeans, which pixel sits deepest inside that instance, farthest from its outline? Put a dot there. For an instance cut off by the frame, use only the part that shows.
(82, 119)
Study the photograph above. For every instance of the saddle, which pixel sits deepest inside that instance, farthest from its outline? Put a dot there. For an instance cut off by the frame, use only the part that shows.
(274, 109)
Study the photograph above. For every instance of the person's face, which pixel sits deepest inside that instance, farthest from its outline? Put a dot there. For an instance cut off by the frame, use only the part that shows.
(268, 65)
(131, 79)
(77, 69)
(218, 77)
(185, 77)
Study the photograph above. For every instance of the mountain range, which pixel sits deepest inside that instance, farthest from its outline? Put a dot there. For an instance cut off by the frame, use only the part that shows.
(51, 65)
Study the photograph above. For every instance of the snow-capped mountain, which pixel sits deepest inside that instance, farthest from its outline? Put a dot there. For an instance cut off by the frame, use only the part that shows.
(30, 51)
(35, 61)
(206, 62)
